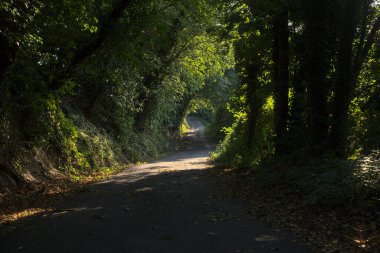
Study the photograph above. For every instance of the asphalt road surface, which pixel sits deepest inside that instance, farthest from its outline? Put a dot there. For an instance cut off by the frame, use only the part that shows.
(167, 206)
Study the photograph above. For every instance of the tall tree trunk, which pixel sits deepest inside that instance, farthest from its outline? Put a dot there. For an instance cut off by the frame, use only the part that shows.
(253, 102)
(344, 79)
(281, 76)
(297, 124)
(7, 55)
(316, 71)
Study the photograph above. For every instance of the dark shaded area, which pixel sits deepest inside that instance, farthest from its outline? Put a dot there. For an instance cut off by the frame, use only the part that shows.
(166, 206)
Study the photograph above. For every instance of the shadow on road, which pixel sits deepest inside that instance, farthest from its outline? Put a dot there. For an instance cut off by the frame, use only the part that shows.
(166, 206)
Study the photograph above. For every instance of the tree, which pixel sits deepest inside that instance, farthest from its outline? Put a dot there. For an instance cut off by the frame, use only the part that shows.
(344, 79)
(105, 29)
(317, 62)
(281, 75)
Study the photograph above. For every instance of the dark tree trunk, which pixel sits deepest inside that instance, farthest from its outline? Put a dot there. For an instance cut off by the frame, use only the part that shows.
(316, 71)
(281, 76)
(363, 51)
(182, 111)
(363, 28)
(297, 124)
(253, 103)
(147, 99)
(19, 181)
(7, 55)
(344, 80)
(105, 30)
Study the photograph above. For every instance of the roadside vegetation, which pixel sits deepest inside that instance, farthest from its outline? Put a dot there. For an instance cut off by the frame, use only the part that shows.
(301, 130)
(290, 91)
(88, 87)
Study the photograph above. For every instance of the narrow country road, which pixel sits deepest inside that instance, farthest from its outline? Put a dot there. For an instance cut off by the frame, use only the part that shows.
(166, 206)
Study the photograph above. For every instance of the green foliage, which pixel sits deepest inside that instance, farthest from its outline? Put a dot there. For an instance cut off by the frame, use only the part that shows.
(184, 128)
(365, 109)
(104, 97)
(220, 120)
(249, 25)
(102, 88)
(233, 151)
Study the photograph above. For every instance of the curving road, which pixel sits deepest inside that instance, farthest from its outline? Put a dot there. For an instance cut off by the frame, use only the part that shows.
(169, 206)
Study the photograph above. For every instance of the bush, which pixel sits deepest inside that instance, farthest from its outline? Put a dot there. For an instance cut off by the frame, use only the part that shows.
(326, 183)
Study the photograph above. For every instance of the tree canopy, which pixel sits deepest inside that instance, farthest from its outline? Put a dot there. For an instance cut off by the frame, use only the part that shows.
(95, 84)
(285, 86)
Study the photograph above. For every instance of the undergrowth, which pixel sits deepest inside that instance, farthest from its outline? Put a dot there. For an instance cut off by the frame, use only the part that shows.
(331, 204)
(77, 148)
(324, 183)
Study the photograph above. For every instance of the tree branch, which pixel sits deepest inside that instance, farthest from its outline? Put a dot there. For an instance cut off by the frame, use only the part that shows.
(367, 47)
(363, 30)
(105, 29)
